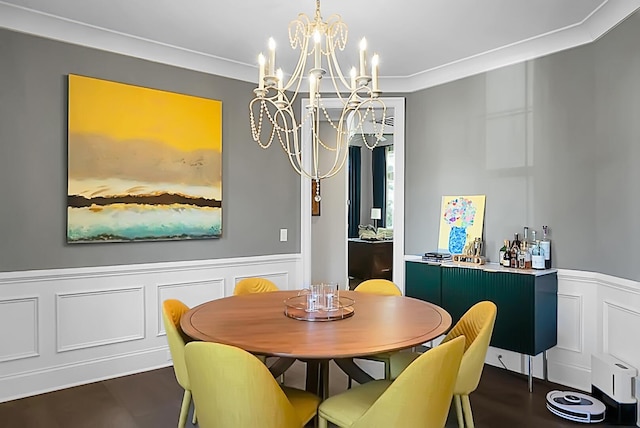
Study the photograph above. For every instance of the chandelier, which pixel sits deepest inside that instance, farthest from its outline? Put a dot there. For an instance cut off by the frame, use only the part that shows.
(272, 112)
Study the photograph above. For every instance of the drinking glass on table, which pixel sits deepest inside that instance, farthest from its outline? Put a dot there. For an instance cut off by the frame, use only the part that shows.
(331, 296)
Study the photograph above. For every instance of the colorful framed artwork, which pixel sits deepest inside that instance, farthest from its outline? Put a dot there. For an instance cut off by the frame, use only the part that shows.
(461, 221)
(143, 164)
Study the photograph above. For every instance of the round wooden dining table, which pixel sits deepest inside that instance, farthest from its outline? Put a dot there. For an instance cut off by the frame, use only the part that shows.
(257, 323)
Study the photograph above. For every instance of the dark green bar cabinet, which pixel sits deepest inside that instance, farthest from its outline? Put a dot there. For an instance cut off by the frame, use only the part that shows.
(527, 300)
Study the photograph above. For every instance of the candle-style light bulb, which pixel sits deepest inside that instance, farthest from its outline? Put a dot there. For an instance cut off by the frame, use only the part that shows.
(317, 38)
(363, 57)
(272, 56)
(374, 72)
(261, 62)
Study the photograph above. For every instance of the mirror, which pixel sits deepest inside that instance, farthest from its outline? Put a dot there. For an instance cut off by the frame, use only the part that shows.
(370, 176)
(324, 238)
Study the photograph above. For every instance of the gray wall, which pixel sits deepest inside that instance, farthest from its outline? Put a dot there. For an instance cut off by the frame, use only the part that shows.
(261, 192)
(329, 230)
(552, 141)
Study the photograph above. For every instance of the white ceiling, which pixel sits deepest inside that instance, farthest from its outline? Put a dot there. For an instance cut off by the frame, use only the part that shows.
(420, 42)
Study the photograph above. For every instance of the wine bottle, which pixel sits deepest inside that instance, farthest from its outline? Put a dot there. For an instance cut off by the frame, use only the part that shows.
(537, 256)
(545, 244)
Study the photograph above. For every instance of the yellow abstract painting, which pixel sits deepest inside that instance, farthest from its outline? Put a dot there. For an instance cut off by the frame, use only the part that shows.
(143, 164)
(461, 221)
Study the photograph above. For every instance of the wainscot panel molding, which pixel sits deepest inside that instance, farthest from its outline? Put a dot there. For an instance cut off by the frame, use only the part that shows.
(595, 314)
(19, 337)
(75, 326)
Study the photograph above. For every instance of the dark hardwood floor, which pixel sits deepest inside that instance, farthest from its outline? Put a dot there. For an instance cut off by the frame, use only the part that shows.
(152, 399)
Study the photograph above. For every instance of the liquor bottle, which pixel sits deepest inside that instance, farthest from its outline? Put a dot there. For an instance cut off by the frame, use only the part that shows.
(504, 248)
(533, 240)
(545, 244)
(515, 249)
(537, 256)
(513, 256)
(527, 254)
(521, 264)
(506, 258)
(525, 244)
(515, 242)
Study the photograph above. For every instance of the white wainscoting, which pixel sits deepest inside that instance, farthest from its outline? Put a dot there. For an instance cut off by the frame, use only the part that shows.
(68, 327)
(596, 314)
(19, 335)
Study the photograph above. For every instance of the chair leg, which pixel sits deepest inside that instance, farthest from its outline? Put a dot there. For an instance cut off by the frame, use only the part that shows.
(458, 406)
(194, 419)
(184, 409)
(387, 370)
(322, 422)
(468, 416)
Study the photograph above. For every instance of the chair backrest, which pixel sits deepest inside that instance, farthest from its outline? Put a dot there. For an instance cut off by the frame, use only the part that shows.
(232, 388)
(172, 310)
(379, 286)
(477, 327)
(421, 395)
(254, 285)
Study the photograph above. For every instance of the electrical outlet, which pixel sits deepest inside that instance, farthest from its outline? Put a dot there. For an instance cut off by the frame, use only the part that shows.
(283, 235)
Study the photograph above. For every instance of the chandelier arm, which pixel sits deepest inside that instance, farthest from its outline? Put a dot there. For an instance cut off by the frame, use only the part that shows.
(298, 72)
(332, 61)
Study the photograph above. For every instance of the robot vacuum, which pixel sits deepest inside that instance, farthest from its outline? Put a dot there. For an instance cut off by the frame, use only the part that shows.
(575, 406)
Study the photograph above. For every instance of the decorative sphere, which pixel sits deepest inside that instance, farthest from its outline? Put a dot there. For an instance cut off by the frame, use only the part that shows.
(317, 198)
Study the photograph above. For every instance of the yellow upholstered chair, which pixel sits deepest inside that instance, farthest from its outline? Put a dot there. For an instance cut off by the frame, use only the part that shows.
(232, 388)
(172, 310)
(382, 287)
(263, 285)
(254, 285)
(419, 398)
(477, 327)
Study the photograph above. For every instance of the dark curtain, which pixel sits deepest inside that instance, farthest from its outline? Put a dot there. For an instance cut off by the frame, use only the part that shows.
(354, 190)
(379, 168)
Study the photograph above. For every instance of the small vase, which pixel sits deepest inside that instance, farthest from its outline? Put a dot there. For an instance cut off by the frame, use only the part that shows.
(457, 239)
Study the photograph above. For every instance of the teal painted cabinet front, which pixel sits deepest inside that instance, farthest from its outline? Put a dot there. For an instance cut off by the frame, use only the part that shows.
(527, 304)
(422, 281)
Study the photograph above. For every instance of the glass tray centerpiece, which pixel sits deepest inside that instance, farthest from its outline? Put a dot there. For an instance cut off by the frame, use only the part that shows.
(319, 302)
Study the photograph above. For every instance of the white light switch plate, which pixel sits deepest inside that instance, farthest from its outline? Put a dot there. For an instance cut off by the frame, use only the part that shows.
(283, 235)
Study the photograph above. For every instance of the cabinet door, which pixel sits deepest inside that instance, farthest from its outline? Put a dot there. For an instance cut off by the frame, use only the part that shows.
(512, 294)
(422, 281)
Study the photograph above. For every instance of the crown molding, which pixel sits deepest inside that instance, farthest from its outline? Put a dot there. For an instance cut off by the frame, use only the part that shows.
(603, 19)
(29, 21)
(53, 27)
